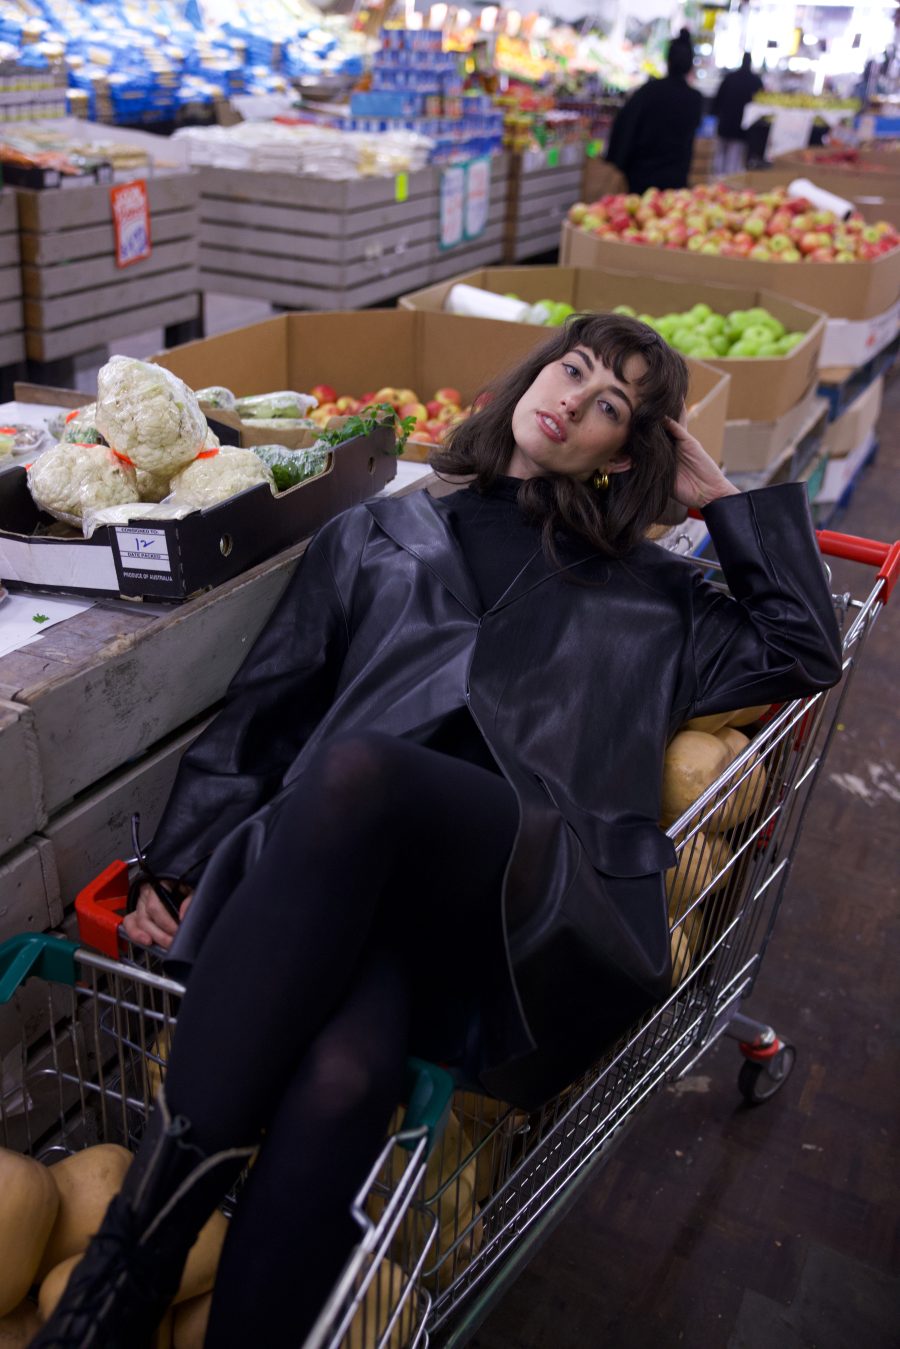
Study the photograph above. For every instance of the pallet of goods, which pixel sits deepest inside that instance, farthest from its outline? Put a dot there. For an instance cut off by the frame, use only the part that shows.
(98, 266)
(12, 338)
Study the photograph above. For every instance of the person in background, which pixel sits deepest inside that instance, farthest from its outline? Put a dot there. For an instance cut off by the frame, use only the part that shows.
(733, 95)
(652, 138)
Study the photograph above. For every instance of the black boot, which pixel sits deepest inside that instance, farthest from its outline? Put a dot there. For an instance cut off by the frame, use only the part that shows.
(131, 1270)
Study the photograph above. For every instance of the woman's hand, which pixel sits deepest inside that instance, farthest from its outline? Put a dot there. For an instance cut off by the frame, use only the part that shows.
(151, 924)
(698, 481)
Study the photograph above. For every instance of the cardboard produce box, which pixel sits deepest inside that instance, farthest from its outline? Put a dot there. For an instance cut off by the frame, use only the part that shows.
(761, 389)
(856, 422)
(851, 290)
(397, 348)
(751, 446)
(174, 559)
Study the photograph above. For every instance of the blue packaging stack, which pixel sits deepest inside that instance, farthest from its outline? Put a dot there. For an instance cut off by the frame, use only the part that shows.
(416, 86)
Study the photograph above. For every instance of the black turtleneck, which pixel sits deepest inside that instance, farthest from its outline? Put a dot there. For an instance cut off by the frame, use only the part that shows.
(495, 538)
(496, 542)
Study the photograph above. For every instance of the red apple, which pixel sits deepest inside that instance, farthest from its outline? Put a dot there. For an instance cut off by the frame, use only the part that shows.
(346, 404)
(448, 395)
(323, 393)
(416, 410)
(433, 407)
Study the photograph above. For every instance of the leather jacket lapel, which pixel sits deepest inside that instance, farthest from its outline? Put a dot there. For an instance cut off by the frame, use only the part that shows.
(423, 531)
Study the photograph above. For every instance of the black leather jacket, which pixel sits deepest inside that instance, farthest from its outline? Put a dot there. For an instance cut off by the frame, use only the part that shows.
(576, 688)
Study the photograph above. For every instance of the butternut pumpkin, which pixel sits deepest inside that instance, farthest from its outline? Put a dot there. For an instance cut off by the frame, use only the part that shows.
(85, 1182)
(681, 955)
(746, 791)
(54, 1285)
(19, 1327)
(747, 715)
(709, 724)
(203, 1259)
(690, 877)
(190, 1321)
(28, 1207)
(694, 759)
(382, 1296)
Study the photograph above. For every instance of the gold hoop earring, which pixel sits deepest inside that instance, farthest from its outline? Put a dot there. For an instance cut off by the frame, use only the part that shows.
(600, 480)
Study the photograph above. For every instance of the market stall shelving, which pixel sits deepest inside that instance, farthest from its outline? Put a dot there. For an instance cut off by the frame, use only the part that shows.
(12, 340)
(76, 297)
(543, 184)
(308, 243)
(840, 386)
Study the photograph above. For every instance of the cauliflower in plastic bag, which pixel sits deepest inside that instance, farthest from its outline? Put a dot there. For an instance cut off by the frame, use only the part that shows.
(291, 466)
(212, 441)
(283, 404)
(215, 477)
(152, 486)
(148, 414)
(132, 510)
(216, 396)
(81, 426)
(281, 424)
(69, 479)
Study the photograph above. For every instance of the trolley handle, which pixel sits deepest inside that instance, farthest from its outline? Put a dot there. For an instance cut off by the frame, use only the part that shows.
(852, 548)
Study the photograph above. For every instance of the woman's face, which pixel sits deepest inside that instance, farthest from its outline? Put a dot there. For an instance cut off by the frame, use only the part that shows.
(576, 418)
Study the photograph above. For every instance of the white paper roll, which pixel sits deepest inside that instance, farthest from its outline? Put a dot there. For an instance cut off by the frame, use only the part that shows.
(822, 200)
(484, 304)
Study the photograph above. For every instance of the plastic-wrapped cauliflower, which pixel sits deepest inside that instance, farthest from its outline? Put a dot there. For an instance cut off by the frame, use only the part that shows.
(152, 486)
(216, 396)
(69, 479)
(150, 415)
(212, 441)
(81, 426)
(217, 476)
(286, 403)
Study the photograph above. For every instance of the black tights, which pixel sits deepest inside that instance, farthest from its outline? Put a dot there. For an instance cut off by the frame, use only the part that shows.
(361, 934)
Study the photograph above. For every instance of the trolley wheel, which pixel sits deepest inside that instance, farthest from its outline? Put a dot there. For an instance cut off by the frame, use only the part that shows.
(759, 1081)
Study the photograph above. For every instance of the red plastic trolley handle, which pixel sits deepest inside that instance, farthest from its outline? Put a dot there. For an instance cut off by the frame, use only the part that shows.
(870, 552)
(100, 908)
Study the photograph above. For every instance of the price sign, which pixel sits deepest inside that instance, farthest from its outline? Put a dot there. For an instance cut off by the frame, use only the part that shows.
(131, 222)
(453, 196)
(478, 196)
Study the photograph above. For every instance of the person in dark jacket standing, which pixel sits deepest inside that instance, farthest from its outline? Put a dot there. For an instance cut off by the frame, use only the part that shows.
(450, 732)
(732, 96)
(652, 138)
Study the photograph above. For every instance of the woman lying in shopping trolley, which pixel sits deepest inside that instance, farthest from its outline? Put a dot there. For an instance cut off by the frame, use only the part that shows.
(425, 820)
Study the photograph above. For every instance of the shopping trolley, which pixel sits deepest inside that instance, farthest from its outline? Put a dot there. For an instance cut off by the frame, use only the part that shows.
(459, 1197)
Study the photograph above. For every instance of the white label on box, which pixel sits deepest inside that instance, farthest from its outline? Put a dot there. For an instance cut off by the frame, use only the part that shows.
(855, 341)
(76, 566)
(143, 549)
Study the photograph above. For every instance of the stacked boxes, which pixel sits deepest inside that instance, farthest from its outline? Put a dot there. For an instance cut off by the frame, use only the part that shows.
(12, 340)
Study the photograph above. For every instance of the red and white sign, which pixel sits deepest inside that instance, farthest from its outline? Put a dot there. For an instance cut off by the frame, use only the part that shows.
(131, 221)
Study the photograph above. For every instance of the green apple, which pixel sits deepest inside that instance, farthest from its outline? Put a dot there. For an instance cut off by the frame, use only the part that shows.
(757, 332)
(702, 351)
(744, 348)
(789, 341)
(699, 312)
(712, 326)
(719, 344)
(625, 309)
(769, 349)
(737, 321)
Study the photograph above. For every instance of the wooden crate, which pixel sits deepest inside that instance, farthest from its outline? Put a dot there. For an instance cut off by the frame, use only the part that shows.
(22, 809)
(487, 249)
(12, 337)
(307, 243)
(543, 184)
(115, 680)
(29, 889)
(75, 297)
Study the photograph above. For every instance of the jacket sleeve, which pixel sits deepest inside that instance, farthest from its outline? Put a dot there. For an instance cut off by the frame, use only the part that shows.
(271, 707)
(775, 636)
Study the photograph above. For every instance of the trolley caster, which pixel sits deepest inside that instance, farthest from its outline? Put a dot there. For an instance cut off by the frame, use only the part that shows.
(765, 1070)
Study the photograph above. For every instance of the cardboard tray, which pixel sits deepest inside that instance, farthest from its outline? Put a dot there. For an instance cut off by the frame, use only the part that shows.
(852, 290)
(760, 390)
(398, 348)
(857, 422)
(174, 559)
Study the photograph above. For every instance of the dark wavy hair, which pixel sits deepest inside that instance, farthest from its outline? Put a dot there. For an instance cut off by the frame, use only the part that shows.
(612, 521)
